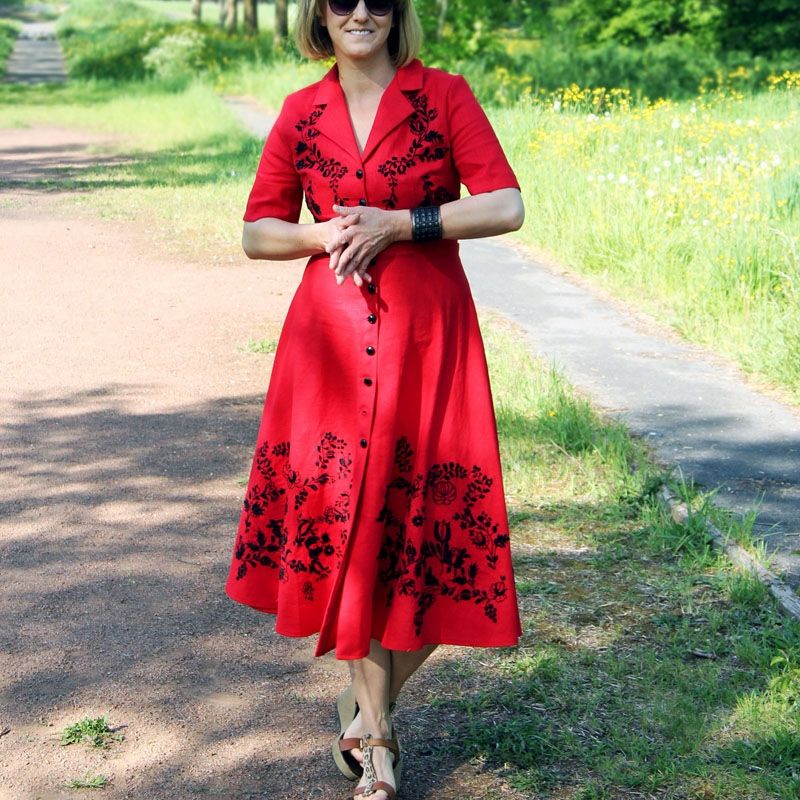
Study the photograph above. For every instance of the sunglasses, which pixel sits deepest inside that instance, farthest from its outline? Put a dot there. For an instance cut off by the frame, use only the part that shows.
(378, 8)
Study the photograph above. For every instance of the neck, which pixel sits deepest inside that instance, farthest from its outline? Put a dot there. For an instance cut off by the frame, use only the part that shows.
(361, 77)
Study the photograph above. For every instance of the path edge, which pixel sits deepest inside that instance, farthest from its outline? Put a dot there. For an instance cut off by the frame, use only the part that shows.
(788, 601)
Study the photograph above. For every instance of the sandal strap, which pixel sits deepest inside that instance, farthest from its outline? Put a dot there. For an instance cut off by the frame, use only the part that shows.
(392, 744)
(377, 787)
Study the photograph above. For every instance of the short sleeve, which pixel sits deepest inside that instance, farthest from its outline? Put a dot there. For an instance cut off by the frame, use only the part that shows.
(478, 157)
(277, 190)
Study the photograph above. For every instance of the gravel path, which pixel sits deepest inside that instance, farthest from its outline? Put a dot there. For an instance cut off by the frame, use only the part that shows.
(129, 409)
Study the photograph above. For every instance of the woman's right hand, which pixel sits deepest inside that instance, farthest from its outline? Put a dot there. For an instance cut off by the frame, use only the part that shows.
(333, 243)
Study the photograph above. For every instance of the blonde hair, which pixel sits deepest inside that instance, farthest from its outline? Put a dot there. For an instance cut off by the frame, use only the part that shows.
(313, 40)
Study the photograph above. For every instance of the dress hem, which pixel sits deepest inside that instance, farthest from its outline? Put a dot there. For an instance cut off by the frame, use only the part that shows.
(444, 640)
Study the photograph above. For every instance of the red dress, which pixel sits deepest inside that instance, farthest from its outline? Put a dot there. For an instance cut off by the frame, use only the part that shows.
(375, 505)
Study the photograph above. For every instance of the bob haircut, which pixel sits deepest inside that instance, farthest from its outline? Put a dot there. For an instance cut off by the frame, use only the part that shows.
(313, 40)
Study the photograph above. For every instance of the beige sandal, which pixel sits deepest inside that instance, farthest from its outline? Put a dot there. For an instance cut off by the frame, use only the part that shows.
(347, 708)
(347, 764)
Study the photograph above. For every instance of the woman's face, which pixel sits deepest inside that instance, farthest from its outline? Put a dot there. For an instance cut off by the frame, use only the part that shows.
(358, 35)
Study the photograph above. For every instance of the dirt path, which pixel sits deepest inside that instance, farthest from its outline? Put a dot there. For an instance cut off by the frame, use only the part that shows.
(129, 409)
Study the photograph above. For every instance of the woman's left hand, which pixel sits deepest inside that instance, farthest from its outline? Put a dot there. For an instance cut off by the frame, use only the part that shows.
(360, 243)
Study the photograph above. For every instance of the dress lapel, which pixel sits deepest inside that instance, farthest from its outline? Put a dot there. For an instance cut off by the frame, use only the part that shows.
(394, 108)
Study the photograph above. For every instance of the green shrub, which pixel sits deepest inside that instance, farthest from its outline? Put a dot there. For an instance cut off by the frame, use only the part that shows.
(176, 58)
(124, 42)
(8, 35)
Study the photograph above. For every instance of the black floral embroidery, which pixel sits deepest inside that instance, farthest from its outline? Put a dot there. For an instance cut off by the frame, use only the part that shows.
(430, 561)
(310, 157)
(318, 543)
(427, 146)
(438, 540)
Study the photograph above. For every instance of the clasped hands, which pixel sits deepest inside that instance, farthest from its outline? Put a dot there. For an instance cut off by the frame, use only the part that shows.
(354, 237)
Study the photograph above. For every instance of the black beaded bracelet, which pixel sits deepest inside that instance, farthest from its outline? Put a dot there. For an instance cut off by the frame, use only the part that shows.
(426, 223)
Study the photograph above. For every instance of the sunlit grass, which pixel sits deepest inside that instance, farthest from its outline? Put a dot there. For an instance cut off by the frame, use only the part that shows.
(690, 210)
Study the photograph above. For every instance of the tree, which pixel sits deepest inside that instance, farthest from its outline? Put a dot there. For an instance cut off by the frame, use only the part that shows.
(281, 30)
(228, 13)
(442, 19)
(250, 8)
(197, 10)
(759, 26)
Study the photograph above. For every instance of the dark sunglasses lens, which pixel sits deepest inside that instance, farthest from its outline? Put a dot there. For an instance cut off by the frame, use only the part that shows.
(342, 7)
(378, 7)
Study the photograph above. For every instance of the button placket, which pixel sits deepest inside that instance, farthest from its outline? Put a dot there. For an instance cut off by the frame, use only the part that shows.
(369, 351)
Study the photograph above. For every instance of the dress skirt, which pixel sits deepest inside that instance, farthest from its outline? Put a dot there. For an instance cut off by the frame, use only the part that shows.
(375, 506)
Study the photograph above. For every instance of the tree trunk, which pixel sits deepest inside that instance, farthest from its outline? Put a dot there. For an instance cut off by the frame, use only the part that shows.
(440, 22)
(197, 10)
(281, 30)
(250, 8)
(222, 6)
(231, 13)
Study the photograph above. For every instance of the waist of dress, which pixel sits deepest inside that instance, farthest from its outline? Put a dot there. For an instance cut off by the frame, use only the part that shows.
(442, 248)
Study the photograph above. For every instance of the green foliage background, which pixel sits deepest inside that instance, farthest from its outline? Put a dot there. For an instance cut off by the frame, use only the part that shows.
(655, 48)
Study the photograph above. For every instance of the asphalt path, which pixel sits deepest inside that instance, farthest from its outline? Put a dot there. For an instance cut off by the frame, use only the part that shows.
(37, 56)
(698, 413)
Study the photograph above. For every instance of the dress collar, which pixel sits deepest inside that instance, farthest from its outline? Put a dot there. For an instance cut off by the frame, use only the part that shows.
(395, 107)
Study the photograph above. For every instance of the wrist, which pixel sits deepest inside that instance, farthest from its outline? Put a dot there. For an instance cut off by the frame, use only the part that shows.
(401, 225)
(317, 236)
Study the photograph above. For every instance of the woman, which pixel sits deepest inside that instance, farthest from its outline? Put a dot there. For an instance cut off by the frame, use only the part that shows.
(375, 512)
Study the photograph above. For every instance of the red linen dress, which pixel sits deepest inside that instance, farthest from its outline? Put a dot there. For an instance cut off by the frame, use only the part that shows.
(375, 505)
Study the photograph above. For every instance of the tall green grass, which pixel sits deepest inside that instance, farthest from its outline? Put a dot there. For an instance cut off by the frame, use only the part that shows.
(691, 211)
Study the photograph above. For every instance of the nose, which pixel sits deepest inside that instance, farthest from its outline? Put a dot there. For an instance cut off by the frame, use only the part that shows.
(360, 11)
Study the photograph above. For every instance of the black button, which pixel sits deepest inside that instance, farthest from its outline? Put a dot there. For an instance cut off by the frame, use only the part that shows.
(372, 288)
(363, 442)
(367, 381)
(370, 350)
(359, 173)
(372, 319)
(362, 201)
(373, 262)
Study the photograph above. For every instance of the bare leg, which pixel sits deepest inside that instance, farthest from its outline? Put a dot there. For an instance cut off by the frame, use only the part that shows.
(372, 680)
(402, 665)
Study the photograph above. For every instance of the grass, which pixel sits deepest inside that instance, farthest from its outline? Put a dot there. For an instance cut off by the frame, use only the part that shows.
(94, 732)
(262, 346)
(649, 666)
(180, 160)
(89, 781)
(691, 211)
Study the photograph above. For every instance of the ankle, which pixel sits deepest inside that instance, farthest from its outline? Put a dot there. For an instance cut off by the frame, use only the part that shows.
(378, 725)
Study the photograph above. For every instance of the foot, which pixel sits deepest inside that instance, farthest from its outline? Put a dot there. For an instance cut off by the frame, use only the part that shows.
(378, 770)
(355, 730)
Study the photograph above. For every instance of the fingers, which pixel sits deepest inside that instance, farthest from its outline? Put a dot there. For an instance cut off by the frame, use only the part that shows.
(345, 210)
(335, 256)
